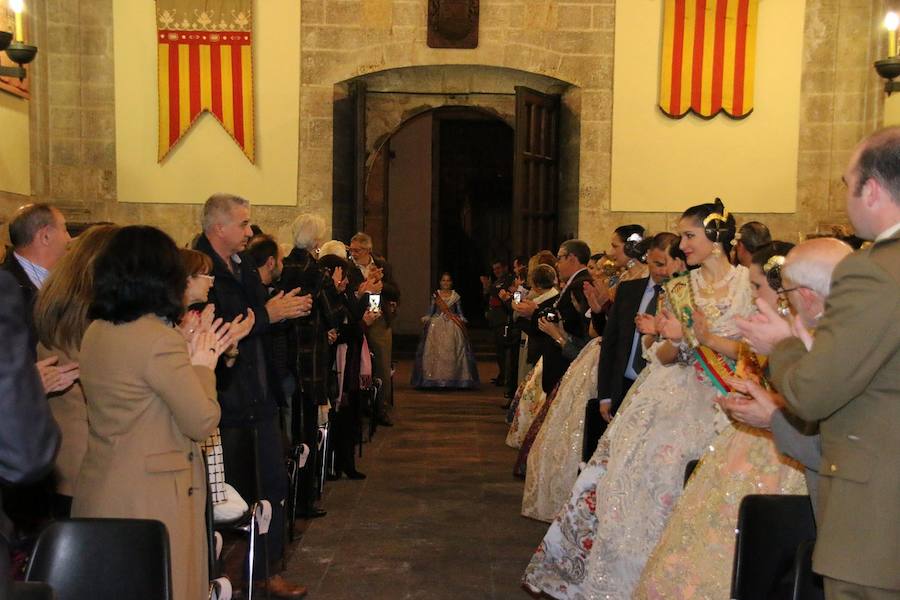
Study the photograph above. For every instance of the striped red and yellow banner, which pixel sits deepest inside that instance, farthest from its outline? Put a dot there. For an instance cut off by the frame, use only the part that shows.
(708, 57)
(203, 70)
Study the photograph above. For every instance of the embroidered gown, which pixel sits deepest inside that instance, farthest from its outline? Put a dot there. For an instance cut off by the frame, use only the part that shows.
(444, 358)
(599, 541)
(556, 453)
(529, 400)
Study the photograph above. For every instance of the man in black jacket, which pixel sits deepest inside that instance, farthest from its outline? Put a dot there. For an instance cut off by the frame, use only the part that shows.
(29, 436)
(249, 391)
(569, 310)
(622, 358)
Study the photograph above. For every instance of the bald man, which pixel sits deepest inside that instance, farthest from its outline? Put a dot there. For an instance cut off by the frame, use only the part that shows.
(847, 380)
(806, 281)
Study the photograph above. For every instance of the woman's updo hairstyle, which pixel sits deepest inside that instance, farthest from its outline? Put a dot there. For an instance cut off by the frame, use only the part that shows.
(717, 223)
(632, 237)
(770, 259)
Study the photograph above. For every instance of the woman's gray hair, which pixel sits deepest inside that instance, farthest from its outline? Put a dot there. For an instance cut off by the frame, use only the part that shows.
(333, 248)
(306, 230)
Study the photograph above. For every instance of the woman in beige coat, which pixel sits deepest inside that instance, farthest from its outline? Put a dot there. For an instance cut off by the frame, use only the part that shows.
(61, 318)
(150, 398)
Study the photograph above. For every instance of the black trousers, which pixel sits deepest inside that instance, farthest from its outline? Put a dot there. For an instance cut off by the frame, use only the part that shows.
(306, 431)
(344, 435)
(500, 350)
(265, 479)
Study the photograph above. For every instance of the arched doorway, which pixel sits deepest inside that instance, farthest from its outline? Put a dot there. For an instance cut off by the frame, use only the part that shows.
(439, 191)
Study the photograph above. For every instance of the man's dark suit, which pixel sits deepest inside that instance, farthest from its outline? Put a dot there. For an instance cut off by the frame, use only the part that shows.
(618, 339)
(29, 436)
(29, 294)
(249, 393)
(573, 322)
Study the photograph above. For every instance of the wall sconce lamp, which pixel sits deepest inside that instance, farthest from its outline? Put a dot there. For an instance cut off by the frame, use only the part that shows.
(17, 50)
(889, 68)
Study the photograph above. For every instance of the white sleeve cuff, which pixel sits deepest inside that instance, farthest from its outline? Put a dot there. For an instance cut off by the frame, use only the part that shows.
(606, 401)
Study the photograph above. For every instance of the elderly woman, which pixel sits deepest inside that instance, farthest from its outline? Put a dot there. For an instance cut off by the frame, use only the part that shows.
(308, 342)
(150, 399)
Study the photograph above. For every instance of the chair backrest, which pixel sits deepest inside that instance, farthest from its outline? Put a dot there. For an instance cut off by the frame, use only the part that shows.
(769, 530)
(104, 559)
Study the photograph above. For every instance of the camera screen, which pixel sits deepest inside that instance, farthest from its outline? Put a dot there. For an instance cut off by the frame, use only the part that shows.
(374, 302)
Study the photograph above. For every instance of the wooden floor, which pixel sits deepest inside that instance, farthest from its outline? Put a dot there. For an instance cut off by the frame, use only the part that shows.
(438, 516)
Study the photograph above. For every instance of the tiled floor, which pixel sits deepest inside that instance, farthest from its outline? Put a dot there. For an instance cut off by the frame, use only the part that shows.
(438, 516)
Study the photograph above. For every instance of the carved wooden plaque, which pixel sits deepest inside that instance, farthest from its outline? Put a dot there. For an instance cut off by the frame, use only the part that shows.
(453, 23)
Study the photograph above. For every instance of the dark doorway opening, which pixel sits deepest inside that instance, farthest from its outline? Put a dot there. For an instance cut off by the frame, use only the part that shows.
(473, 187)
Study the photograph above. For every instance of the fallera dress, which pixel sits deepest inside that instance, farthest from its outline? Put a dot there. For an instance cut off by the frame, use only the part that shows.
(599, 542)
(556, 453)
(530, 401)
(444, 358)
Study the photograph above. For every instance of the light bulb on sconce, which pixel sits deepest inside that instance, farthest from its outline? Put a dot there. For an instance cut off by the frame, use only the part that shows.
(18, 51)
(889, 68)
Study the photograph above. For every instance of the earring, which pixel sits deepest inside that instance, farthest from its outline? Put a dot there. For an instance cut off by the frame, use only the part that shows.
(717, 249)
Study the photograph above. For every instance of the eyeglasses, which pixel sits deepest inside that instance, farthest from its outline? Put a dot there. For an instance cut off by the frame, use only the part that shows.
(562, 256)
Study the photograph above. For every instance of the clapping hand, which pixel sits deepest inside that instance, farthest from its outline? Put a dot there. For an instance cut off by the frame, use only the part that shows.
(207, 346)
(646, 324)
(700, 327)
(765, 329)
(749, 403)
(56, 378)
(369, 287)
(504, 295)
(597, 295)
(668, 326)
(288, 306)
(332, 336)
(241, 326)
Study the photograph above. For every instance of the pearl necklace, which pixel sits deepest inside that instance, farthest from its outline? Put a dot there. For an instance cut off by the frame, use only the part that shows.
(710, 288)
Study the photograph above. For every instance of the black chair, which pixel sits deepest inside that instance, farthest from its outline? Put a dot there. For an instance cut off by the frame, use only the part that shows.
(807, 585)
(104, 559)
(770, 528)
(689, 470)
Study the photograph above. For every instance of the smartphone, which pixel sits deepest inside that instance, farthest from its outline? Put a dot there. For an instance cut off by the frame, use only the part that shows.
(517, 297)
(375, 302)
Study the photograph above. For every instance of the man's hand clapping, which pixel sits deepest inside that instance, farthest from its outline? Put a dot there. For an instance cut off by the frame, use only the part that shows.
(646, 324)
(288, 306)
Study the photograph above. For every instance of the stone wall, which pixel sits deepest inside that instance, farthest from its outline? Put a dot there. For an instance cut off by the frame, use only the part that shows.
(73, 141)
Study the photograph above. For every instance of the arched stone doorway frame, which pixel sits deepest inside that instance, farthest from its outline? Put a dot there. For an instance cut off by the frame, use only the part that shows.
(423, 88)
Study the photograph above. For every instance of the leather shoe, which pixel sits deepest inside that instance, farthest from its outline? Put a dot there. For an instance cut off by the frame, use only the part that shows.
(385, 422)
(312, 513)
(355, 475)
(333, 476)
(279, 587)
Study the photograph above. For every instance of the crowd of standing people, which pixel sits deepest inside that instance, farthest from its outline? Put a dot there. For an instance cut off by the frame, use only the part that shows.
(144, 353)
(772, 364)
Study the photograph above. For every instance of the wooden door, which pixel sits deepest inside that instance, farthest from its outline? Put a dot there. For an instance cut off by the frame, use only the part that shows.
(349, 155)
(535, 172)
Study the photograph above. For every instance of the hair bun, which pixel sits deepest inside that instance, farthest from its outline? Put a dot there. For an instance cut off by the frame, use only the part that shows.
(720, 206)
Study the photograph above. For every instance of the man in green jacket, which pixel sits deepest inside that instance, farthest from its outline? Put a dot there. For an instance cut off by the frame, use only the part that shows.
(848, 379)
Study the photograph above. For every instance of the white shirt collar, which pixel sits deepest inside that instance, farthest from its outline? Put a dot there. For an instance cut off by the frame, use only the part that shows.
(569, 282)
(36, 273)
(889, 232)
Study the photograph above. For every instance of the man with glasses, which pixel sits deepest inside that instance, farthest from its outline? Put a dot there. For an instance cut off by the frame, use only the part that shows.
(375, 276)
(566, 325)
(846, 379)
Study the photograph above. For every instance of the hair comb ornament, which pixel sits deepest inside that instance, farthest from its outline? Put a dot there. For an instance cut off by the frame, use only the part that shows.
(635, 238)
(772, 271)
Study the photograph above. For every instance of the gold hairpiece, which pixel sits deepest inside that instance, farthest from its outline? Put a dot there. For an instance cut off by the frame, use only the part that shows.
(773, 262)
(716, 217)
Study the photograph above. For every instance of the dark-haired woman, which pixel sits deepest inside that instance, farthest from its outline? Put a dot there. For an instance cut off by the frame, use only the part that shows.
(150, 399)
(599, 542)
(444, 358)
(351, 364)
(694, 556)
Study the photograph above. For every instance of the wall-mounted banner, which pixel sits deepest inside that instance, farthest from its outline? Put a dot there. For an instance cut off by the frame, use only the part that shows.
(708, 57)
(205, 64)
